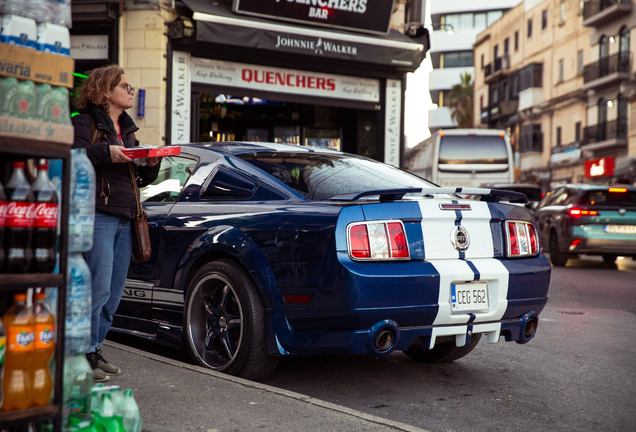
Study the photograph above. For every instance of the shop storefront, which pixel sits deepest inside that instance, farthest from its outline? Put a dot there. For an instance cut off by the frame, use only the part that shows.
(240, 71)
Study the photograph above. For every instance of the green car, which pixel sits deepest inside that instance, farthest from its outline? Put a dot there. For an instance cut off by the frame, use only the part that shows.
(588, 219)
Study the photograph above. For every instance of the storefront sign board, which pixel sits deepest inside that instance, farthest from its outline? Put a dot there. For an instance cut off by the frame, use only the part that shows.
(279, 80)
(180, 108)
(370, 16)
(393, 122)
(89, 47)
(602, 167)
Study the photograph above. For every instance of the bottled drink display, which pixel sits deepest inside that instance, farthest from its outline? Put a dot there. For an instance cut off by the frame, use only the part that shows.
(18, 98)
(44, 350)
(129, 410)
(45, 224)
(3, 222)
(52, 104)
(19, 221)
(3, 351)
(82, 208)
(78, 384)
(16, 383)
(78, 305)
(108, 416)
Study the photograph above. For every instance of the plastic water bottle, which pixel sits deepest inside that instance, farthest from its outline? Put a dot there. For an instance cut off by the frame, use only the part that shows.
(63, 14)
(18, 30)
(111, 421)
(78, 305)
(129, 410)
(78, 383)
(54, 39)
(3, 350)
(82, 208)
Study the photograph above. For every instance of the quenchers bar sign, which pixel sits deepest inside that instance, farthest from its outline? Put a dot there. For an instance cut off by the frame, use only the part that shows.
(369, 16)
(230, 74)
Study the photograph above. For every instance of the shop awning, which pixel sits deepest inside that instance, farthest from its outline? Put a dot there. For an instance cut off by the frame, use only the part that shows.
(216, 23)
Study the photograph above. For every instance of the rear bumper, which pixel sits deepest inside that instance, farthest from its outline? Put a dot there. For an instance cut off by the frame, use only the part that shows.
(600, 244)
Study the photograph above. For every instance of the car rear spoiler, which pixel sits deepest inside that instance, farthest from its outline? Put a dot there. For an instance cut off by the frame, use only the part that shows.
(488, 195)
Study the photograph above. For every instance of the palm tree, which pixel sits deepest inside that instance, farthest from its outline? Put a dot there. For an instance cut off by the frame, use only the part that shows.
(461, 101)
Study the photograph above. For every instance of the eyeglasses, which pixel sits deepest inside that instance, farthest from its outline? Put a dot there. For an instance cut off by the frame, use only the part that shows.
(130, 89)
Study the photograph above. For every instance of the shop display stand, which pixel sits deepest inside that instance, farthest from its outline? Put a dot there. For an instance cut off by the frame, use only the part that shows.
(54, 143)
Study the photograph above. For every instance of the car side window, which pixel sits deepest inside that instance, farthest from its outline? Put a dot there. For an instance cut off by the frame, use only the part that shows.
(561, 198)
(549, 199)
(173, 175)
(226, 183)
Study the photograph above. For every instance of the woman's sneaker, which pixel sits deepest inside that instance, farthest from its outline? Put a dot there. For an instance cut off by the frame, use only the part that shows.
(97, 361)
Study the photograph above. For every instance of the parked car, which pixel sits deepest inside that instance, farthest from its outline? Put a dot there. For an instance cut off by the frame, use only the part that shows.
(266, 250)
(531, 190)
(588, 219)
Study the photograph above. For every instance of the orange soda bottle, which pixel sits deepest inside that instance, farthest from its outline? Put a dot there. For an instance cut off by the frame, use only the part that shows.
(44, 350)
(16, 384)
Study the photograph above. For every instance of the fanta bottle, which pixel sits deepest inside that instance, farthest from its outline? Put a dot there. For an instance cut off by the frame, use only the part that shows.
(16, 384)
(44, 350)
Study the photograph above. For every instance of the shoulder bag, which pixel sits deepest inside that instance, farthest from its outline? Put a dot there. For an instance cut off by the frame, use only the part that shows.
(140, 236)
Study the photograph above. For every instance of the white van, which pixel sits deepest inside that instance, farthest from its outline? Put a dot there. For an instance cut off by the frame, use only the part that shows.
(464, 158)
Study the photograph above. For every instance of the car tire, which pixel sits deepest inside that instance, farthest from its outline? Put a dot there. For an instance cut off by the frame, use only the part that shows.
(443, 352)
(557, 257)
(225, 322)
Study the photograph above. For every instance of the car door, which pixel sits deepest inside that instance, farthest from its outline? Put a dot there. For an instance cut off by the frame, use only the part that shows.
(157, 200)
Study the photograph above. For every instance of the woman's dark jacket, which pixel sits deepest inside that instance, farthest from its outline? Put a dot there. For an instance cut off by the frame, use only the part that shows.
(114, 176)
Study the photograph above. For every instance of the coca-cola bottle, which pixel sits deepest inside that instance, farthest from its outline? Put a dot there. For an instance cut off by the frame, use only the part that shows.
(45, 225)
(19, 222)
(3, 212)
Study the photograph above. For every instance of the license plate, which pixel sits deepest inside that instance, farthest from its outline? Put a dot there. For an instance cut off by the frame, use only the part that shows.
(469, 297)
(630, 229)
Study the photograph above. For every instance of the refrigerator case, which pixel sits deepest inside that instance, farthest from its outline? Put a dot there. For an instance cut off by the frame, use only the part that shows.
(319, 137)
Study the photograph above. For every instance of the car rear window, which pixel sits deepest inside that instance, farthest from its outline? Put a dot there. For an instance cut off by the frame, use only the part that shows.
(607, 198)
(322, 176)
(472, 149)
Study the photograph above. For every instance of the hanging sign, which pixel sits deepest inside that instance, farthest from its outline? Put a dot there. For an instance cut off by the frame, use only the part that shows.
(180, 109)
(278, 80)
(602, 167)
(392, 122)
(369, 16)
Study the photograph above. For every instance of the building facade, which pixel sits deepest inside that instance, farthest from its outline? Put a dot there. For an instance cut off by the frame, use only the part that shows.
(255, 70)
(554, 82)
(456, 25)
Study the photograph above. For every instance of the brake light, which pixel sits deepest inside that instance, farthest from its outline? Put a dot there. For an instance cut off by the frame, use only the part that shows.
(578, 212)
(621, 190)
(574, 244)
(381, 240)
(522, 239)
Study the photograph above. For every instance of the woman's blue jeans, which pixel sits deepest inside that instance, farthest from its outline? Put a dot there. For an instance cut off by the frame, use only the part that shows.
(108, 261)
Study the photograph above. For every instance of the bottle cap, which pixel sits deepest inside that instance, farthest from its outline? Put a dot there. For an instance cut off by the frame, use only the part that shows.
(40, 296)
(18, 164)
(19, 297)
(43, 166)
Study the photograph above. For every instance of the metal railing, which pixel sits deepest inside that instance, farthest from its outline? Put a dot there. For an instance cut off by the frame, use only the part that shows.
(615, 129)
(619, 62)
(592, 7)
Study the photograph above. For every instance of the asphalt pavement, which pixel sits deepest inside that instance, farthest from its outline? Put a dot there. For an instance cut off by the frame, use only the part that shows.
(174, 396)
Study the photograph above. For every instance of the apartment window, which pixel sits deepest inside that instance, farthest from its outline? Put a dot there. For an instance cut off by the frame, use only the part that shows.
(577, 132)
(506, 46)
(480, 20)
(560, 70)
(530, 28)
(517, 41)
(457, 59)
(494, 16)
(579, 62)
(441, 97)
(562, 10)
(558, 135)
(544, 19)
(482, 61)
(481, 102)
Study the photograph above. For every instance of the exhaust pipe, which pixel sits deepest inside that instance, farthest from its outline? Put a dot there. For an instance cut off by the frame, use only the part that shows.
(382, 338)
(529, 323)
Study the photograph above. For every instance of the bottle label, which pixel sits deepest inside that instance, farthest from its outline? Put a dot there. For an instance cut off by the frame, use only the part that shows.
(46, 215)
(20, 338)
(3, 348)
(44, 336)
(3, 213)
(77, 404)
(20, 214)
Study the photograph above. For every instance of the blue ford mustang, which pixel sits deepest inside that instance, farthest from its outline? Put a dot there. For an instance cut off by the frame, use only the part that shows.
(265, 250)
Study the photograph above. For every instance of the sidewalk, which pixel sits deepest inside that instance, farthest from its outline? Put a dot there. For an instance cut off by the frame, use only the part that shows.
(178, 397)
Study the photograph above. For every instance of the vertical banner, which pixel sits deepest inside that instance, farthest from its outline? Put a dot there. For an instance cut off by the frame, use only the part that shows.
(392, 129)
(180, 104)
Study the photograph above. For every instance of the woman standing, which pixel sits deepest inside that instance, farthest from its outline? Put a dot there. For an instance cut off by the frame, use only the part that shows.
(103, 129)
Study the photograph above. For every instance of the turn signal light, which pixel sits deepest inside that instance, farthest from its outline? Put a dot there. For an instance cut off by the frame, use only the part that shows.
(578, 212)
(522, 239)
(381, 240)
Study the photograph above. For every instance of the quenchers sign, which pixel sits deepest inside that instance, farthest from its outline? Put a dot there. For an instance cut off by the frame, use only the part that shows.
(369, 16)
(278, 80)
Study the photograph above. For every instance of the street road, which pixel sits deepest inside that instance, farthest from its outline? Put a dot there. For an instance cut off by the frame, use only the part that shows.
(578, 374)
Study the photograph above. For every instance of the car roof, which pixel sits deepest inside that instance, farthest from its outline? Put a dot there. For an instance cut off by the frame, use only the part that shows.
(510, 185)
(586, 186)
(240, 147)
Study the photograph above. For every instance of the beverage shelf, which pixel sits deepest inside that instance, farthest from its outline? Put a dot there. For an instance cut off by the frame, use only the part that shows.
(31, 280)
(34, 135)
(12, 418)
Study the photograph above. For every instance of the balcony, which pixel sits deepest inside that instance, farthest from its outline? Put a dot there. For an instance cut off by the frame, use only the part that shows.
(497, 70)
(530, 98)
(599, 12)
(440, 118)
(606, 135)
(607, 71)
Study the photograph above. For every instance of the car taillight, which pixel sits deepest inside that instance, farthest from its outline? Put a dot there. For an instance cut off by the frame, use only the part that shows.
(620, 190)
(381, 240)
(576, 212)
(522, 239)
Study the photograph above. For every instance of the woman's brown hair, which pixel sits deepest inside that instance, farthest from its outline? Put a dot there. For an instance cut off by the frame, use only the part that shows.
(100, 81)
